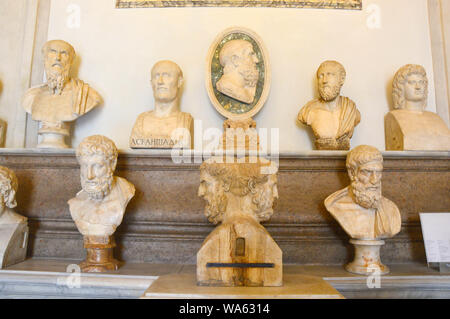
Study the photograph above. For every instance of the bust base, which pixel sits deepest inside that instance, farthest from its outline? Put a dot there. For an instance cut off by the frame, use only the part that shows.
(99, 254)
(52, 140)
(367, 259)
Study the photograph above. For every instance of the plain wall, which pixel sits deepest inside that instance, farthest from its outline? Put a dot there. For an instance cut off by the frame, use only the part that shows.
(117, 47)
(13, 73)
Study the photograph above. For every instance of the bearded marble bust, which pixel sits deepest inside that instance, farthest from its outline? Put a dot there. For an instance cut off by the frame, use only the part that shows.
(166, 126)
(99, 207)
(62, 99)
(409, 126)
(360, 208)
(240, 74)
(332, 117)
(239, 189)
(239, 197)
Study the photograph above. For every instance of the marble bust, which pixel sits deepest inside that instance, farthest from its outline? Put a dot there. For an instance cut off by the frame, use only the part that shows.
(13, 227)
(239, 197)
(360, 209)
(240, 74)
(166, 126)
(409, 126)
(62, 99)
(98, 209)
(332, 117)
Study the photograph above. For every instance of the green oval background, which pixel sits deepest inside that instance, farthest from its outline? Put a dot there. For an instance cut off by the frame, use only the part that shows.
(229, 104)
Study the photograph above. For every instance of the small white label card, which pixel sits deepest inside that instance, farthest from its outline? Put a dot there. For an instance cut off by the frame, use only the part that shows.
(436, 236)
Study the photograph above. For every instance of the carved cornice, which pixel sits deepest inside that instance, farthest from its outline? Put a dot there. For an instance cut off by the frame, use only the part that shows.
(182, 231)
(310, 161)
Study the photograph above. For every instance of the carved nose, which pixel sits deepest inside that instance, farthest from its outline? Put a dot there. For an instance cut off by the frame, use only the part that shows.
(90, 173)
(373, 178)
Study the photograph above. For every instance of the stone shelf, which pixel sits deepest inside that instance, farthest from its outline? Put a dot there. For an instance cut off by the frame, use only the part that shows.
(44, 278)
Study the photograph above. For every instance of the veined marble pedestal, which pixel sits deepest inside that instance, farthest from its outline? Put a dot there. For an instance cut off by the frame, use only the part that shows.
(367, 259)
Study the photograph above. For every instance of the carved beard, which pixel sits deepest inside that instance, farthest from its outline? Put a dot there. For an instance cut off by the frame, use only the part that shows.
(265, 202)
(215, 208)
(250, 75)
(366, 197)
(329, 93)
(98, 188)
(57, 79)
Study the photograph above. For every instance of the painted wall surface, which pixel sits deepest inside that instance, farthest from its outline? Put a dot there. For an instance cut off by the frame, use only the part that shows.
(13, 16)
(117, 48)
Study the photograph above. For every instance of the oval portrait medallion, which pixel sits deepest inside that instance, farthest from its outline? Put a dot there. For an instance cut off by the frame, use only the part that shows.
(238, 73)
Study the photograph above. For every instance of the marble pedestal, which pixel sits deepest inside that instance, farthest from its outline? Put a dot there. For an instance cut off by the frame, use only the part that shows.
(184, 286)
(99, 256)
(52, 140)
(367, 259)
(13, 243)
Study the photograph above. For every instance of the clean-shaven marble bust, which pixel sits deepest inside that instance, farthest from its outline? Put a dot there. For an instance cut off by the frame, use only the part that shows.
(62, 99)
(240, 74)
(99, 207)
(8, 189)
(166, 126)
(13, 227)
(360, 208)
(332, 117)
(409, 126)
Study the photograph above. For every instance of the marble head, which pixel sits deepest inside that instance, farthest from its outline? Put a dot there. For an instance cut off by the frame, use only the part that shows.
(166, 79)
(410, 88)
(330, 77)
(97, 156)
(365, 165)
(58, 60)
(222, 184)
(240, 72)
(8, 188)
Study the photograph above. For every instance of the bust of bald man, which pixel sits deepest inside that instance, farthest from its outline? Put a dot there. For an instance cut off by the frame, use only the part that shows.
(166, 126)
(62, 99)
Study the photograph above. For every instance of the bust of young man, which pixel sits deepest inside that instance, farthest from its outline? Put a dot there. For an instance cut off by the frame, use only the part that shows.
(99, 207)
(409, 126)
(360, 208)
(62, 99)
(166, 126)
(8, 189)
(240, 74)
(13, 227)
(332, 117)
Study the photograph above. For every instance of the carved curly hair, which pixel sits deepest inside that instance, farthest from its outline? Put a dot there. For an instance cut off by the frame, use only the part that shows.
(360, 155)
(8, 186)
(98, 145)
(400, 78)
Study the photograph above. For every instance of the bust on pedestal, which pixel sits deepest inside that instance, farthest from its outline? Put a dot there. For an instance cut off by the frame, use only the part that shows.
(332, 117)
(13, 227)
(239, 252)
(166, 126)
(365, 215)
(99, 207)
(409, 127)
(62, 99)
